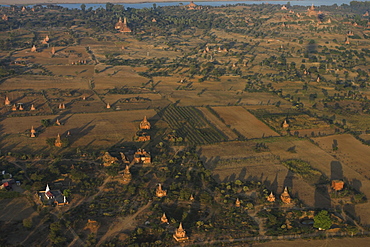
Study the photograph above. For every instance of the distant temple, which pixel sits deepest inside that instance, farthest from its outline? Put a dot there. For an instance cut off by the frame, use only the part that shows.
(192, 6)
(58, 142)
(180, 234)
(122, 26)
(164, 218)
(7, 101)
(237, 203)
(33, 49)
(285, 197)
(337, 185)
(126, 175)
(159, 192)
(271, 197)
(141, 136)
(108, 159)
(142, 156)
(5, 17)
(145, 125)
(285, 124)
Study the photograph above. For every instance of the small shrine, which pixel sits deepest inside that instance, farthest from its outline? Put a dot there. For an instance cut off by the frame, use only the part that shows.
(33, 131)
(108, 159)
(285, 124)
(141, 136)
(271, 197)
(124, 158)
(164, 218)
(33, 108)
(159, 192)
(145, 125)
(191, 197)
(285, 197)
(7, 101)
(33, 49)
(122, 26)
(14, 107)
(142, 156)
(21, 107)
(5, 17)
(337, 185)
(62, 106)
(180, 234)
(126, 178)
(237, 203)
(108, 106)
(57, 122)
(58, 142)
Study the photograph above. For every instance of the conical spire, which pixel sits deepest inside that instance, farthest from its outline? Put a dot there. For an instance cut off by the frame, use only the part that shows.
(47, 188)
(108, 106)
(180, 227)
(7, 101)
(33, 131)
(33, 107)
(124, 21)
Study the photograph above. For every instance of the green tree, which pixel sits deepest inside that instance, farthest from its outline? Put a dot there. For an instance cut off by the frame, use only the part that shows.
(322, 220)
(83, 7)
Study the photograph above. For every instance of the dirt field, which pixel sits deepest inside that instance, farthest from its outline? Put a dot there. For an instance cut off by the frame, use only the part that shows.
(218, 123)
(98, 129)
(237, 160)
(244, 122)
(339, 242)
(353, 156)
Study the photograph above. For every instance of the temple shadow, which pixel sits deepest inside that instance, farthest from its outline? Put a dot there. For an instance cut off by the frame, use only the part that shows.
(322, 197)
(336, 170)
(242, 174)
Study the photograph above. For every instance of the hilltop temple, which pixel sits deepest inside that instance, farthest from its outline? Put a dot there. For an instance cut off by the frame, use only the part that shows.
(122, 26)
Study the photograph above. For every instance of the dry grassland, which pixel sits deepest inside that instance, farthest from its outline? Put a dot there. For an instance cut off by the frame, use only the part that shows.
(99, 129)
(244, 122)
(238, 160)
(38, 82)
(328, 242)
(117, 76)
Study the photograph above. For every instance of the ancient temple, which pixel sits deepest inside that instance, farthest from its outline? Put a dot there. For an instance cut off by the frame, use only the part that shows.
(337, 185)
(164, 218)
(33, 108)
(14, 107)
(33, 49)
(311, 11)
(126, 178)
(191, 197)
(108, 106)
(159, 192)
(5, 17)
(145, 125)
(53, 50)
(180, 234)
(108, 159)
(285, 197)
(57, 122)
(142, 156)
(58, 142)
(7, 101)
(346, 42)
(141, 136)
(237, 203)
(124, 158)
(62, 106)
(193, 6)
(285, 124)
(33, 132)
(271, 197)
(21, 107)
(122, 26)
